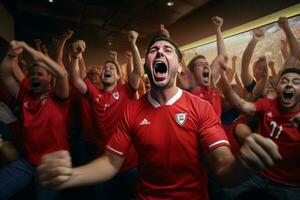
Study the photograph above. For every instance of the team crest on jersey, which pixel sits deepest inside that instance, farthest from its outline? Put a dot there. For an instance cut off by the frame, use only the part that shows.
(26, 104)
(116, 95)
(181, 118)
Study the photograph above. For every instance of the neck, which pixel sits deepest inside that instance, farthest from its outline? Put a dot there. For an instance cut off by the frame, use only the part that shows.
(109, 87)
(163, 95)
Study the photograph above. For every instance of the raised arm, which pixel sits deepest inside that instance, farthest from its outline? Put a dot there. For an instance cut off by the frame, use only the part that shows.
(231, 72)
(129, 65)
(82, 67)
(56, 170)
(41, 47)
(78, 48)
(245, 72)
(271, 66)
(163, 30)
(135, 76)
(292, 41)
(284, 50)
(61, 45)
(218, 22)
(9, 63)
(233, 97)
(61, 86)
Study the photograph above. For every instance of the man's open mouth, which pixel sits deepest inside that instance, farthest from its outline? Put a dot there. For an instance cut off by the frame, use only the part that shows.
(160, 69)
(287, 96)
(35, 84)
(107, 74)
(205, 76)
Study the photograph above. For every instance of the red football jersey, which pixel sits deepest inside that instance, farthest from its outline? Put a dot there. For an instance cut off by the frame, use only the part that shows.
(44, 123)
(230, 132)
(276, 126)
(169, 141)
(107, 109)
(210, 95)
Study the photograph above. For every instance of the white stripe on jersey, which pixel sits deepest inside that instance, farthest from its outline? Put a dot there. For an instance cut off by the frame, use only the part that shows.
(114, 150)
(218, 142)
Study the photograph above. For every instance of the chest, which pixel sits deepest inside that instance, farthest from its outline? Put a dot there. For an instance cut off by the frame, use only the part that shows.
(164, 127)
(277, 126)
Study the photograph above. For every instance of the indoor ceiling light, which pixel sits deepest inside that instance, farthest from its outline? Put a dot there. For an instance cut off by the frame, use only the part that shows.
(170, 3)
(51, 1)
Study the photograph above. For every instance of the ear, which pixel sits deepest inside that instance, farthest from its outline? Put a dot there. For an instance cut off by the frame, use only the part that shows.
(180, 68)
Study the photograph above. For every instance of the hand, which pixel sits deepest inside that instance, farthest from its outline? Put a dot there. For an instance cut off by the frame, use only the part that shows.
(258, 152)
(55, 169)
(132, 36)
(233, 59)
(113, 55)
(217, 21)
(283, 22)
(296, 121)
(78, 48)
(16, 48)
(163, 30)
(68, 34)
(258, 34)
(271, 64)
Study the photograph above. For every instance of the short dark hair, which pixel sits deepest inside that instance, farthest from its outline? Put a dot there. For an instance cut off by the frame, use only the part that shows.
(161, 37)
(191, 64)
(288, 70)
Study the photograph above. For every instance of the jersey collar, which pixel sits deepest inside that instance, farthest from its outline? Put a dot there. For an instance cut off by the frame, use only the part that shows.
(171, 101)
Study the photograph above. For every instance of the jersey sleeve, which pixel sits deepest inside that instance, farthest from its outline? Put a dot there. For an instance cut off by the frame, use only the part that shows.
(92, 91)
(121, 139)
(211, 133)
(24, 86)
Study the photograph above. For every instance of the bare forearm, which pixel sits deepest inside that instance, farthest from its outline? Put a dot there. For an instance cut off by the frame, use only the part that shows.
(245, 73)
(82, 67)
(294, 55)
(99, 170)
(137, 63)
(60, 52)
(77, 81)
(220, 42)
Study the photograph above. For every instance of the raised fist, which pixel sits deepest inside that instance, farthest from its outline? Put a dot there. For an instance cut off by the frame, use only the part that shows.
(217, 21)
(132, 36)
(258, 34)
(283, 22)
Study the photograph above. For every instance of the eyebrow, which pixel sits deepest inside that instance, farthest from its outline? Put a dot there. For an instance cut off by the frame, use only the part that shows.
(164, 46)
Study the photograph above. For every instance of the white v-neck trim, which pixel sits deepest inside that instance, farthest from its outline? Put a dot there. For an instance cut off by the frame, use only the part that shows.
(171, 101)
